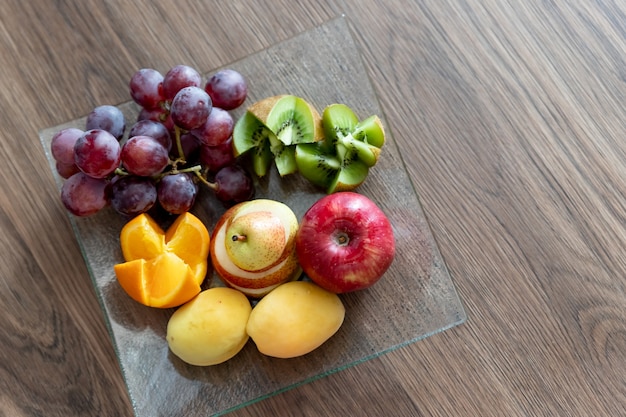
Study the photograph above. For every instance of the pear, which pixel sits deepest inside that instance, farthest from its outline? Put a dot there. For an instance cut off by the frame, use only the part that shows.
(255, 241)
(253, 247)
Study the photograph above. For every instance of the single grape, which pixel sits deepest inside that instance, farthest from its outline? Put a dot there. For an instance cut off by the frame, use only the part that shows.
(217, 128)
(62, 145)
(66, 170)
(97, 153)
(177, 192)
(217, 157)
(179, 77)
(83, 195)
(157, 115)
(108, 118)
(144, 156)
(228, 89)
(146, 88)
(132, 195)
(233, 185)
(190, 108)
(191, 148)
(156, 130)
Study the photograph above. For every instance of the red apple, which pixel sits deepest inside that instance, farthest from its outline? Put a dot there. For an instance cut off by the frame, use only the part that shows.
(345, 242)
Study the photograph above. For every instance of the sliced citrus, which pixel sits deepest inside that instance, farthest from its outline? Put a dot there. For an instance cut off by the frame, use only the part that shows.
(164, 281)
(130, 276)
(142, 238)
(170, 282)
(163, 269)
(188, 238)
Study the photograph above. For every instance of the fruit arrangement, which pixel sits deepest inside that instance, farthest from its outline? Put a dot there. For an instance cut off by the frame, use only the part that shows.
(282, 276)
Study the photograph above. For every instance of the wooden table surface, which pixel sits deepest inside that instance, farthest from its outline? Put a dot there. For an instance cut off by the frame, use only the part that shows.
(511, 116)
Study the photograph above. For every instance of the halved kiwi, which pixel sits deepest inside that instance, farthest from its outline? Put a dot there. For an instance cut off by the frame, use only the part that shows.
(272, 127)
(362, 139)
(342, 160)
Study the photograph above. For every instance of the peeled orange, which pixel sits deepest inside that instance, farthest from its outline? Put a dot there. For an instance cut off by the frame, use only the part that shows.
(163, 269)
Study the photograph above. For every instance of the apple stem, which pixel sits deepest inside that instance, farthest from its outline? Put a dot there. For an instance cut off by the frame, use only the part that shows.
(240, 238)
(343, 239)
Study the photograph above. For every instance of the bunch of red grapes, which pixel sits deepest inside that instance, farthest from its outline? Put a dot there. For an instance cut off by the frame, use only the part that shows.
(182, 139)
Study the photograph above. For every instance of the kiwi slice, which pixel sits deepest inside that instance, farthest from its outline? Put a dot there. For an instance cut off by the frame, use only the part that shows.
(284, 156)
(350, 176)
(271, 128)
(338, 120)
(316, 164)
(292, 119)
(342, 160)
(370, 131)
(362, 139)
(250, 135)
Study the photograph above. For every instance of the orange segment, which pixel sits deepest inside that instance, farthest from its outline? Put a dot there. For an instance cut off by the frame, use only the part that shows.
(188, 238)
(130, 275)
(165, 281)
(170, 282)
(141, 238)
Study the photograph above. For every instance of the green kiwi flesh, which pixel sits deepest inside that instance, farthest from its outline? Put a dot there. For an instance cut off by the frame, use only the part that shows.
(338, 120)
(363, 139)
(317, 165)
(351, 175)
(250, 135)
(284, 156)
(292, 120)
(370, 131)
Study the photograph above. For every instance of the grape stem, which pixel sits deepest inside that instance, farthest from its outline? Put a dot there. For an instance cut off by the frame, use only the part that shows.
(212, 185)
(179, 146)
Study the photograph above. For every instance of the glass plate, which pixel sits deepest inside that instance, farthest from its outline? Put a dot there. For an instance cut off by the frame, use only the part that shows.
(415, 298)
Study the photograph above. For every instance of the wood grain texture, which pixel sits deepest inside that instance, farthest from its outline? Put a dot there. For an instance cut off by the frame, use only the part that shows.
(511, 117)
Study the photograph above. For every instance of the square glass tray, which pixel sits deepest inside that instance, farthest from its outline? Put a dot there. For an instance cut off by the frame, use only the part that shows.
(416, 297)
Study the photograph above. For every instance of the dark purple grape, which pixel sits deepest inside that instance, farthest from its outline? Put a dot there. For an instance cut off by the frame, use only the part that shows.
(156, 130)
(146, 88)
(217, 128)
(190, 108)
(66, 170)
(233, 185)
(177, 193)
(132, 195)
(108, 118)
(217, 157)
(190, 145)
(62, 145)
(228, 89)
(83, 195)
(179, 77)
(97, 153)
(144, 156)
